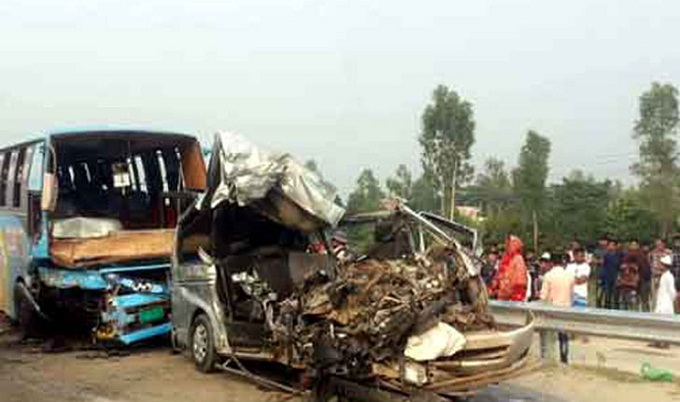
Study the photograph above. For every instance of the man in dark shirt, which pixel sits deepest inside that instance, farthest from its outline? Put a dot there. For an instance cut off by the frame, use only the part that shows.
(490, 266)
(641, 258)
(595, 291)
(609, 273)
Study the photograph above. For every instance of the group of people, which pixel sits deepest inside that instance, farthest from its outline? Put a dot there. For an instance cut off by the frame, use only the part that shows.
(614, 276)
(631, 277)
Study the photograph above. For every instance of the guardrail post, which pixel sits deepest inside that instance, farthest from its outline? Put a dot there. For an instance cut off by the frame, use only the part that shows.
(549, 348)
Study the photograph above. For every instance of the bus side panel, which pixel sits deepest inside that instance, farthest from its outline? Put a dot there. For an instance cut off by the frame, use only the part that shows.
(5, 288)
(13, 259)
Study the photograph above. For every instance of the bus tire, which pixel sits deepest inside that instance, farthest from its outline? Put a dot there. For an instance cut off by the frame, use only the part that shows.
(203, 345)
(27, 318)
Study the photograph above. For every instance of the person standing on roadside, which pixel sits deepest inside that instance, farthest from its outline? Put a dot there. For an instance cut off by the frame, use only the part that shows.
(490, 266)
(545, 265)
(628, 282)
(637, 257)
(655, 256)
(533, 269)
(510, 282)
(558, 289)
(573, 246)
(610, 271)
(580, 269)
(675, 270)
(595, 293)
(666, 293)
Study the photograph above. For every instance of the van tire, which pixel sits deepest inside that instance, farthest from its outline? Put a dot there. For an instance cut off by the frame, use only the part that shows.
(26, 316)
(202, 344)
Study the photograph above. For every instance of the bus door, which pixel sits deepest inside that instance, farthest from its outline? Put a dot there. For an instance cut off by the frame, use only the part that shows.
(15, 169)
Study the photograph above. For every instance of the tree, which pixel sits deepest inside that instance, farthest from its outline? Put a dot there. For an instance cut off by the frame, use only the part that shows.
(424, 196)
(313, 167)
(493, 187)
(577, 208)
(401, 185)
(446, 138)
(498, 225)
(529, 179)
(628, 218)
(657, 167)
(367, 195)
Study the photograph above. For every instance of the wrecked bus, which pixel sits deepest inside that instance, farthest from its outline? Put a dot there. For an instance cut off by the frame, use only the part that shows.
(254, 278)
(87, 223)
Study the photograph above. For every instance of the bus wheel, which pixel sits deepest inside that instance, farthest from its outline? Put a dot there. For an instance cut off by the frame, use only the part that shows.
(203, 344)
(27, 318)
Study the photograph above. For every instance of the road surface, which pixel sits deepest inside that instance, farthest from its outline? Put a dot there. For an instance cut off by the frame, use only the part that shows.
(27, 374)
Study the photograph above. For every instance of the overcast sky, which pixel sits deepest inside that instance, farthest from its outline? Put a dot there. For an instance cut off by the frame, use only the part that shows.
(343, 82)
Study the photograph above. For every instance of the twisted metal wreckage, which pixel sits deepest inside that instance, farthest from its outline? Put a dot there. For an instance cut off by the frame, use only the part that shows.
(252, 281)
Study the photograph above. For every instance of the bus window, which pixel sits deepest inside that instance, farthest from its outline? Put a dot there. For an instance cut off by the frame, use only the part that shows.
(141, 173)
(35, 170)
(18, 177)
(11, 171)
(34, 177)
(86, 170)
(172, 169)
(163, 170)
(4, 165)
(134, 180)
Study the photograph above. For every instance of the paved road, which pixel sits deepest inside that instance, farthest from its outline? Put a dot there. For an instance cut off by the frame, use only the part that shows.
(156, 375)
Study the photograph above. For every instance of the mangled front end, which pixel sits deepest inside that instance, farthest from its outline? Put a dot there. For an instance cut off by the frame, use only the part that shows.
(418, 322)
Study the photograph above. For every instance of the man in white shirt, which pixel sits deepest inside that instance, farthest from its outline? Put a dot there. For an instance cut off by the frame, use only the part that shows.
(666, 293)
(665, 297)
(580, 270)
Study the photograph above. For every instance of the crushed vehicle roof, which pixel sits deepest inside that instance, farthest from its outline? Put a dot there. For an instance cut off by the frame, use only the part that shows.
(244, 174)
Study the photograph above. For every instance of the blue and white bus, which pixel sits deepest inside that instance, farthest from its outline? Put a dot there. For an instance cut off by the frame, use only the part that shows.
(87, 222)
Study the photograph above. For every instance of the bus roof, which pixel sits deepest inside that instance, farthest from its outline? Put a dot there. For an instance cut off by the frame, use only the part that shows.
(83, 130)
(94, 129)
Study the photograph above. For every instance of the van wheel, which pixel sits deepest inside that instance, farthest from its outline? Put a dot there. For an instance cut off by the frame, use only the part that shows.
(203, 344)
(27, 318)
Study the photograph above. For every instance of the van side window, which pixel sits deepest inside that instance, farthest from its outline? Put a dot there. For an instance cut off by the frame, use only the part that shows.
(18, 177)
(4, 166)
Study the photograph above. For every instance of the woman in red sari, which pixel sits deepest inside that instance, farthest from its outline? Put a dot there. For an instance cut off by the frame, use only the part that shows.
(510, 282)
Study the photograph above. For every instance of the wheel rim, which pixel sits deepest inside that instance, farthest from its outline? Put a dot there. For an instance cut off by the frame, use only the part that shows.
(200, 343)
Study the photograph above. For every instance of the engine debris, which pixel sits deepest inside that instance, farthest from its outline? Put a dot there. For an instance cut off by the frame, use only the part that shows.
(369, 311)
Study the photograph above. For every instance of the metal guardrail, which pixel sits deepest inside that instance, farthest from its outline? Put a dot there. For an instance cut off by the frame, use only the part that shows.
(630, 325)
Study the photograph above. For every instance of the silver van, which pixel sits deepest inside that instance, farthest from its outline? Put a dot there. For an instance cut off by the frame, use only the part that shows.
(262, 272)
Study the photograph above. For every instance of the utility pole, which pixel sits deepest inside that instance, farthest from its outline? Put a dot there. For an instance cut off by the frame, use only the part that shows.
(533, 215)
(454, 179)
